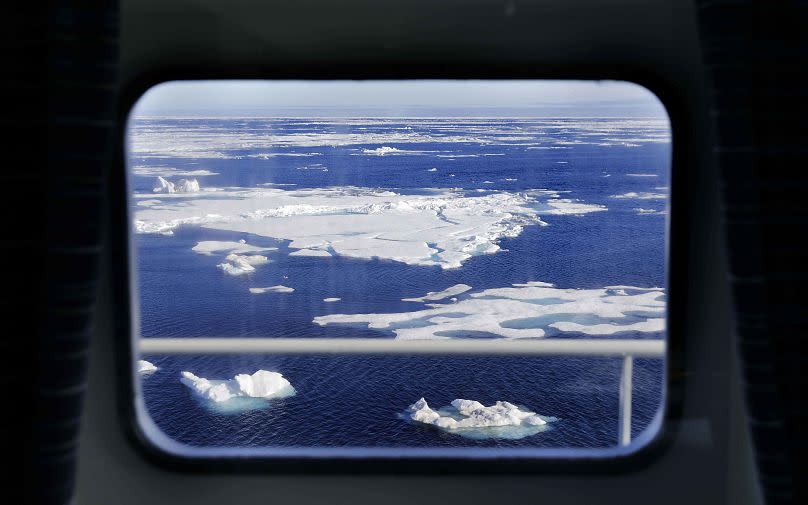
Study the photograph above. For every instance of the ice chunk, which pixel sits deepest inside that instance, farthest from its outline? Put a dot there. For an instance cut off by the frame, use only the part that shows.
(237, 264)
(474, 420)
(209, 247)
(272, 289)
(382, 151)
(633, 195)
(440, 295)
(261, 384)
(144, 367)
(163, 185)
(331, 300)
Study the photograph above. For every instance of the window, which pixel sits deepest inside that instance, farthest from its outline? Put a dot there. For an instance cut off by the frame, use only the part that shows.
(388, 268)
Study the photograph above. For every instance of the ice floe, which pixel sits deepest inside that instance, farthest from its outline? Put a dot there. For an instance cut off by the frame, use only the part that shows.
(261, 385)
(383, 151)
(437, 227)
(272, 289)
(440, 295)
(170, 171)
(145, 368)
(331, 299)
(237, 264)
(633, 195)
(472, 419)
(641, 175)
(649, 212)
(526, 310)
(208, 247)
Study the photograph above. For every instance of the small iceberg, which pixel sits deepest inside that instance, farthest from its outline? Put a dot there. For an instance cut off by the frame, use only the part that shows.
(163, 185)
(145, 368)
(381, 151)
(238, 264)
(331, 299)
(472, 419)
(242, 392)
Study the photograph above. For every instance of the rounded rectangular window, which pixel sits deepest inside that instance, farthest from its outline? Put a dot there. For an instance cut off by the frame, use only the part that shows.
(399, 268)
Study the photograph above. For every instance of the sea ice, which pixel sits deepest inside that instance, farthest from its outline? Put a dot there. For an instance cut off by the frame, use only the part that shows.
(193, 141)
(437, 227)
(262, 384)
(440, 295)
(474, 420)
(527, 310)
(237, 264)
(208, 247)
(163, 185)
(272, 289)
(649, 212)
(144, 367)
(382, 151)
(633, 195)
(331, 299)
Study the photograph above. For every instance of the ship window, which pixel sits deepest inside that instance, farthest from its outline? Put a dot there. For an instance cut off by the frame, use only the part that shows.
(399, 268)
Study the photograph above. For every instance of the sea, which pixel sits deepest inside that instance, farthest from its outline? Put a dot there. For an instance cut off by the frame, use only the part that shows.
(358, 401)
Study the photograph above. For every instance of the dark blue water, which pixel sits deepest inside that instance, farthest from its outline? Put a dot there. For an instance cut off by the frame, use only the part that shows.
(355, 401)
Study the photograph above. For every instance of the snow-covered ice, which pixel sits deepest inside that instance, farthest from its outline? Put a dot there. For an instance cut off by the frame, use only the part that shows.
(272, 289)
(145, 368)
(236, 264)
(163, 185)
(437, 227)
(261, 385)
(474, 420)
(440, 295)
(643, 195)
(527, 310)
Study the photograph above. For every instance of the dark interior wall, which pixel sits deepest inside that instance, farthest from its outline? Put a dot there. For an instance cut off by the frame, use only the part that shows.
(653, 39)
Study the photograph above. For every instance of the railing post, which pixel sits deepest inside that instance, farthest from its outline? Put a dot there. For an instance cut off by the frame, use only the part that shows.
(624, 431)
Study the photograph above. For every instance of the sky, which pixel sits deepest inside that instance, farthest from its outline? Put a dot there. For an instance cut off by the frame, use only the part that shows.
(414, 98)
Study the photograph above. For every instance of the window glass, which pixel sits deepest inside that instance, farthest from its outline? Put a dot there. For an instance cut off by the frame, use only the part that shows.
(503, 243)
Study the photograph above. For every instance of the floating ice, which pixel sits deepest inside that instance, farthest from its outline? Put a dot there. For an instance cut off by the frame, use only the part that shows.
(237, 264)
(382, 151)
(170, 171)
(641, 175)
(432, 170)
(210, 141)
(208, 247)
(633, 195)
(472, 419)
(332, 299)
(145, 368)
(527, 310)
(272, 289)
(261, 385)
(649, 212)
(438, 227)
(440, 295)
(310, 253)
(162, 185)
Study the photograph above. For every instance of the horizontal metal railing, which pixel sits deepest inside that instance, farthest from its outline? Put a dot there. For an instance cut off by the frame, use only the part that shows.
(563, 347)
(626, 349)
